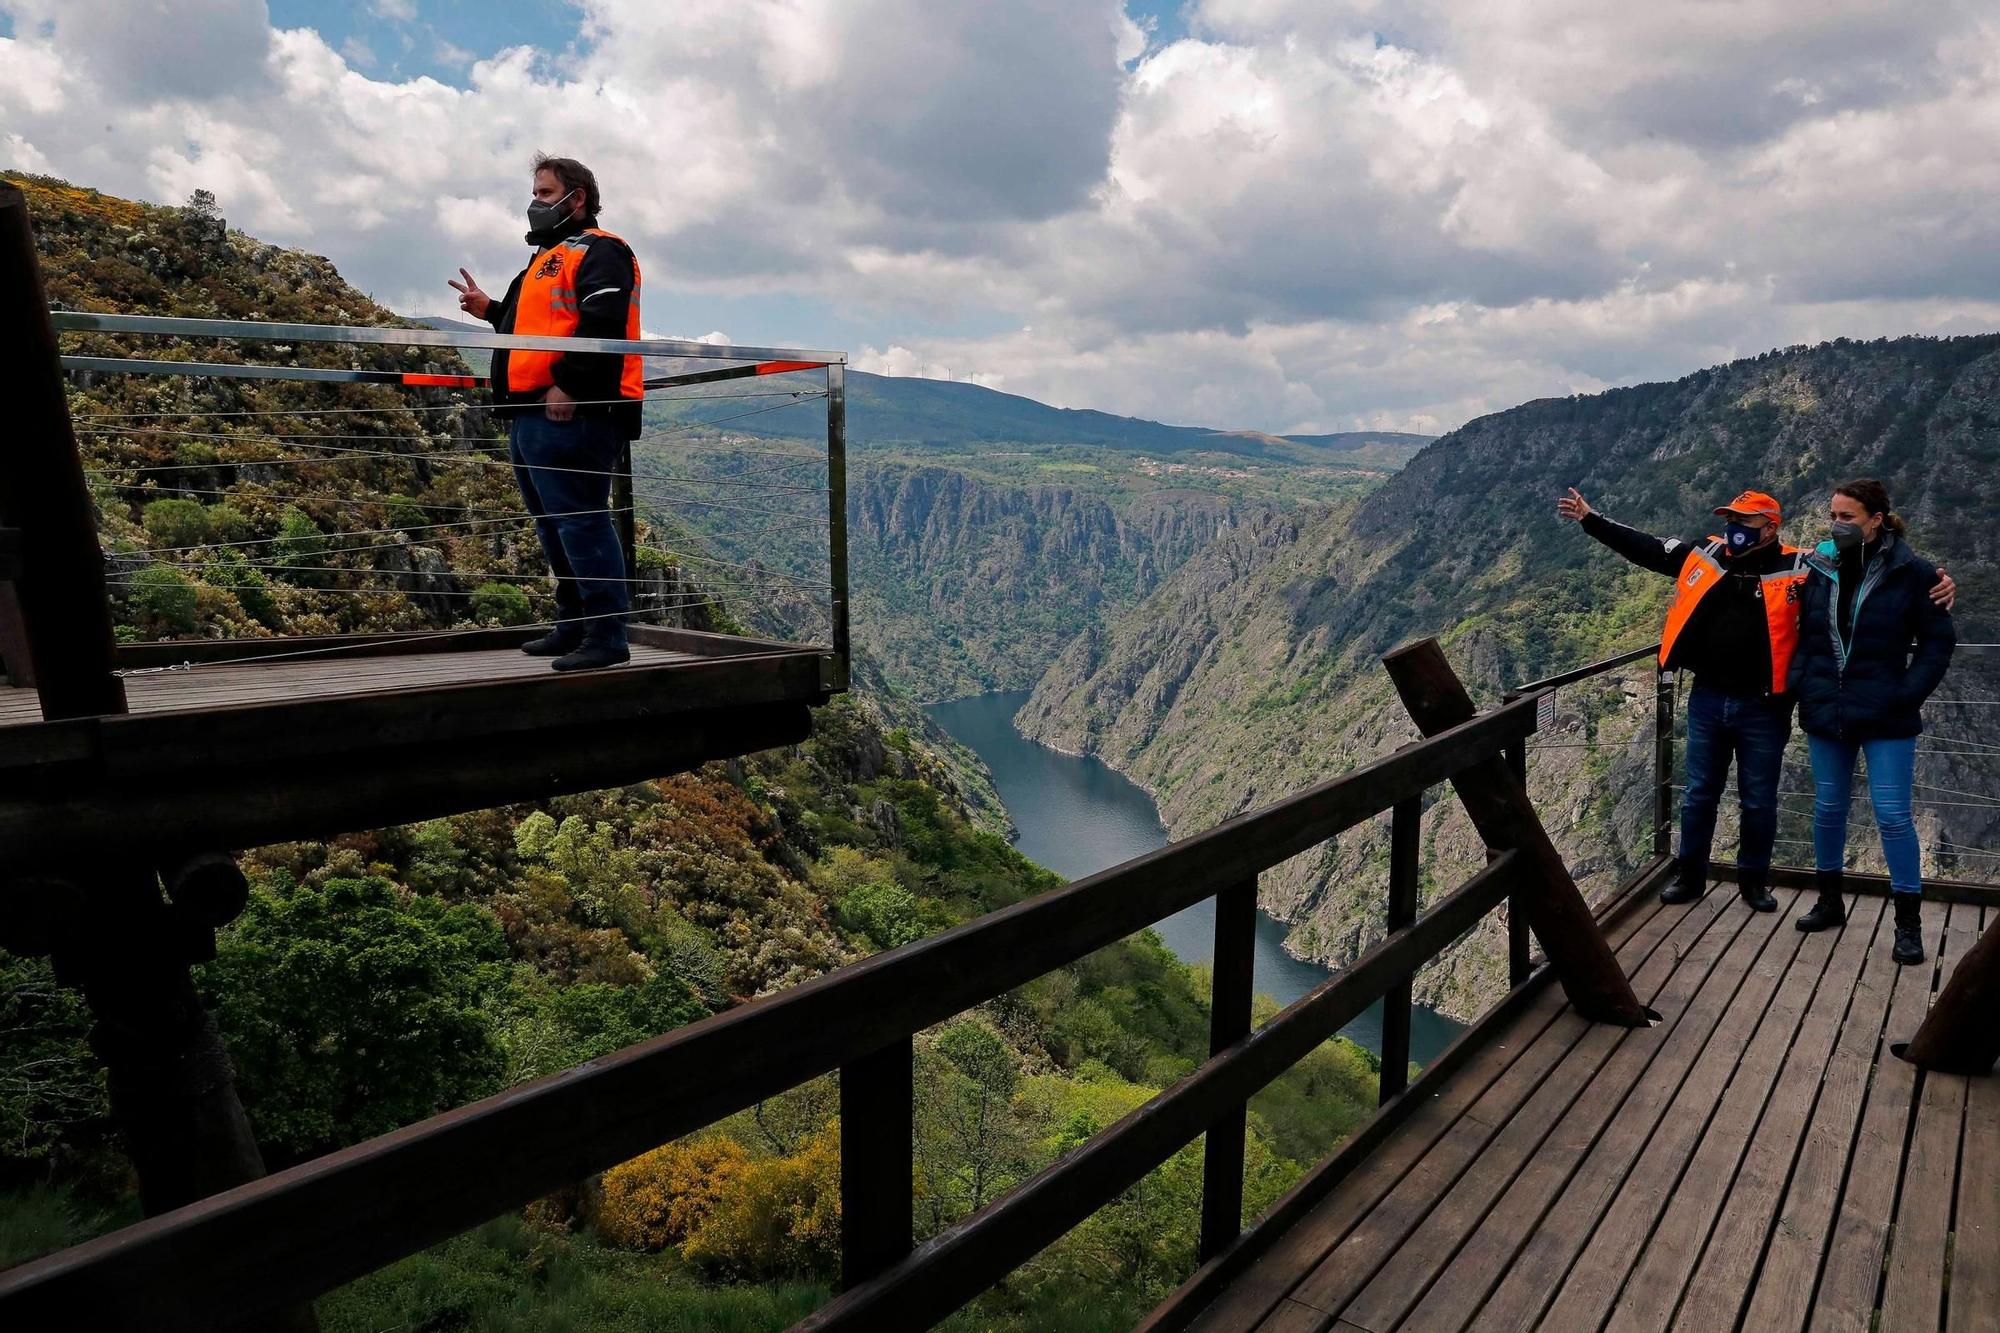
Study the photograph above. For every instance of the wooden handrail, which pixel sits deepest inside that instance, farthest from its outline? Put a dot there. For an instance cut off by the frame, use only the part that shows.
(963, 1260)
(304, 1231)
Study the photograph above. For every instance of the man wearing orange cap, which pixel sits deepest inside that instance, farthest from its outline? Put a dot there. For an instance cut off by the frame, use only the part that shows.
(1733, 622)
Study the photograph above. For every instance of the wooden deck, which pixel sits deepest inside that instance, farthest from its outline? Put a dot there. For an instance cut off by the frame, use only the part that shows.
(1758, 1160)
(226, 685)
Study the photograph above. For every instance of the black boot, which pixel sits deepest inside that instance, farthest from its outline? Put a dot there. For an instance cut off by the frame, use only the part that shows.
(1750, 888)
(590, 656)
(1831, 909)
(1909, 929)
(553, 644)
(1690, 883)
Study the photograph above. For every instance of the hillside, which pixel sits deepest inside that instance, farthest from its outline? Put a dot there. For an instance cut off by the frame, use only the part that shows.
(389, 974)
(1253, 671)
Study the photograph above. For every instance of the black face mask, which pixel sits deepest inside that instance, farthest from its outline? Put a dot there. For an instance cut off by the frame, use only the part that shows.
(547, 219)
(1741, 539)
(1848, 537)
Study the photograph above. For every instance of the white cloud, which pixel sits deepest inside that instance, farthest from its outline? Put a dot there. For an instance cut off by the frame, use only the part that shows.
(1307, 214)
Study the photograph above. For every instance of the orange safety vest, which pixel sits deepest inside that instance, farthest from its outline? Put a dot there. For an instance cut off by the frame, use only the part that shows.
(548, 307)
(1780, 590)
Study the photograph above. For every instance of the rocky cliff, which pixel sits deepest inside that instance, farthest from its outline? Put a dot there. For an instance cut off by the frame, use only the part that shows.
(968, 584)
(1252, 672)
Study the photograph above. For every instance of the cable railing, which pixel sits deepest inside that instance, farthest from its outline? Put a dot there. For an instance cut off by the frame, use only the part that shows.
(1950, 723)
(691, 483)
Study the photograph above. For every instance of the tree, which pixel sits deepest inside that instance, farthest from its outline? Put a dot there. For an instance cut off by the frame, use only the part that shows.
(969, 1142)
(175, 524)
(164, 600)
(353, 1008)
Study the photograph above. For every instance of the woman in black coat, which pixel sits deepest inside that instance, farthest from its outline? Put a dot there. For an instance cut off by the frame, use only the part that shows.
(1872, 646)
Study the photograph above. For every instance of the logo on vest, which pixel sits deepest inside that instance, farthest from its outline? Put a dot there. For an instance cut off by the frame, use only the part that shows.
(550, 266)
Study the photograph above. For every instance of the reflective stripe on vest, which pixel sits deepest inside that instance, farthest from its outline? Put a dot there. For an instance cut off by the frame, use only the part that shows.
(548, 307)
(1701, 573)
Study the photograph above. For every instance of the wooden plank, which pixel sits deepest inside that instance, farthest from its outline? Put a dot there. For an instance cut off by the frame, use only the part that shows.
(198, 809)
(1499, 808)
(1853, 1267)
(324, 1222)
(1780, 1295)
(1352, 1264)
(1230, 993)
(1634, 934)
(1568, 1181)
(1852, 1272)
(1607, 1061)
(1975, 1268)
(1594, 1282)
(1795, 1048)
(1913, 1289)
(1735, 1248)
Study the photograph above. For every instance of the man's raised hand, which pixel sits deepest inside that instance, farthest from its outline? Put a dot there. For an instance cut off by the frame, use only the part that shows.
(471, 299)
(1573, 506)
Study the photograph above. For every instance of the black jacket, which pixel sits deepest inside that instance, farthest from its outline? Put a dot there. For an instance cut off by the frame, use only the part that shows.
(1870, 684)
(1727, 645)
(606, 277)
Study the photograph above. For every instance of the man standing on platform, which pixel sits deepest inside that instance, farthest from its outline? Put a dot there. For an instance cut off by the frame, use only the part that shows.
(1733, 622)
(571, 412)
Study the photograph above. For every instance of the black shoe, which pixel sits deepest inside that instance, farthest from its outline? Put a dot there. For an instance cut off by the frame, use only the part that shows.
(1755, 896)
(1682, 891)
(1829, 911)
(553, 644)
(1909, 930)
(593, 656)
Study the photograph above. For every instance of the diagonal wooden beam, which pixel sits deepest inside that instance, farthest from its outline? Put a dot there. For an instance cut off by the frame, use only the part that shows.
(1499, 808)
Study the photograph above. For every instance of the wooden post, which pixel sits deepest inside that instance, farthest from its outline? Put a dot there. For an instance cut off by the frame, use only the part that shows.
(1228, 1023)
(171, 1084)
(1961, 1034)
(836, 523)
(1518, 941)
(1405, 833)
(43, 495)
(1663, 763)
(877, 1147)
(1501, 812)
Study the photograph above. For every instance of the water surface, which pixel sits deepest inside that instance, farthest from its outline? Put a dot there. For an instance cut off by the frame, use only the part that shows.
(1077, 816)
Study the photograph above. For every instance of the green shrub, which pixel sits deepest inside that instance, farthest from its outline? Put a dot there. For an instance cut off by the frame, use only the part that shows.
(175, 524)
(503, 603)
(163, 600)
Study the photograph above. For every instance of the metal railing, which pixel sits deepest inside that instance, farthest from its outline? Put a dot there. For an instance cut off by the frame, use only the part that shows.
(329, 445)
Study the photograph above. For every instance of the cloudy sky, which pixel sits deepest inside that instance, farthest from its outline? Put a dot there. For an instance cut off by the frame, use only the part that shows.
(1295, 215)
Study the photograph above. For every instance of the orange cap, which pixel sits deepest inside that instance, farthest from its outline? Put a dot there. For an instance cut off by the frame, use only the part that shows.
(1752, 502)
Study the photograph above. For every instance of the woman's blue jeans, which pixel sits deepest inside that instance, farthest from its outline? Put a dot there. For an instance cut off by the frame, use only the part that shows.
(564, 470)
(1892, 771)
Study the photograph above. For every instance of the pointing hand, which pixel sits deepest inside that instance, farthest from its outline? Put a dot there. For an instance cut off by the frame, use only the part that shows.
(1574, 507)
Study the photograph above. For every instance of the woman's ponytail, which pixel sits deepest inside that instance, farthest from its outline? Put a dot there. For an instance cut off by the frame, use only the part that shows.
(1894, 522)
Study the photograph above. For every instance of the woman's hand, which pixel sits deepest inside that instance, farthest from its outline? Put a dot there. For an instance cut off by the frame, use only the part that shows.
(1574, 507)
(1945, 591)
(471, 299)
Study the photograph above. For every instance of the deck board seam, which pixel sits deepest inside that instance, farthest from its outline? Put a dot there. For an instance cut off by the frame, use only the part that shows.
(1735, 925)
(1708, 1123)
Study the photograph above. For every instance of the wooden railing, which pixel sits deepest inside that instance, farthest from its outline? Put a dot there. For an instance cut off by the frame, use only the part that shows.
(280, 1241)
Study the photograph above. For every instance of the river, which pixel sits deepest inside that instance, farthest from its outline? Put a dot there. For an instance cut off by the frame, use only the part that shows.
(1078, 815)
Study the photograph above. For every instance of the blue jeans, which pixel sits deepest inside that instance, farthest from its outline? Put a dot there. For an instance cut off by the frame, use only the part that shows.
(1754, 731)
(1892, 774)
(564, 471)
